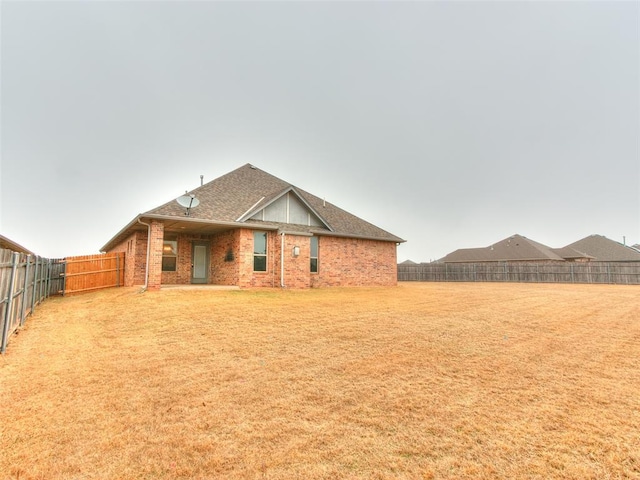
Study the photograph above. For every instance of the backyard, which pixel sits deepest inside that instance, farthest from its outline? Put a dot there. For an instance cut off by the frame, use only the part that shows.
(425, 380)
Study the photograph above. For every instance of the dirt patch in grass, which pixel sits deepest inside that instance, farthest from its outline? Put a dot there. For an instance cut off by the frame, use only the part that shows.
(419, 381)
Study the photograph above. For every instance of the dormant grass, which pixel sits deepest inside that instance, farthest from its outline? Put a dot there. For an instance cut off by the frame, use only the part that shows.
(415, 382)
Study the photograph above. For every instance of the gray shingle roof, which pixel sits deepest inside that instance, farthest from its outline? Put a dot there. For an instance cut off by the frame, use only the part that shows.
(246, 190)
(514, 248)
(603, 249)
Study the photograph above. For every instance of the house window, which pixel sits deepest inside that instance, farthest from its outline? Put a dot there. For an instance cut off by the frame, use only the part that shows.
(259, 251)
(169, 254)
(314, 255)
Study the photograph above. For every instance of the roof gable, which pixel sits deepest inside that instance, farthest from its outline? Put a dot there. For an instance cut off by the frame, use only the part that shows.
(287, 207)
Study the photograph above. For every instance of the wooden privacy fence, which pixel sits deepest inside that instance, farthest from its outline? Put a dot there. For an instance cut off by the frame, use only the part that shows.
(626, 273)
(25, 281)
(92, 272)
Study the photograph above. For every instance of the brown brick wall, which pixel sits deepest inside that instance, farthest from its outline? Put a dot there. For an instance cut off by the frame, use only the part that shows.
(224, 258)
(297, 273)
(355, 262)
(246, 276)
(135, 248)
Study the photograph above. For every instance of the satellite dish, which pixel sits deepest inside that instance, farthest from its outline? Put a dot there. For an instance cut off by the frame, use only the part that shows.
(188, 201)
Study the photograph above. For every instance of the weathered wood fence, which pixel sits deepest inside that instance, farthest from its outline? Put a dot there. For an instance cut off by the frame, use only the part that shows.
(27, 280)
(625, 273)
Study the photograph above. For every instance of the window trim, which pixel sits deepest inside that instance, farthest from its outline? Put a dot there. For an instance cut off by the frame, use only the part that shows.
(311, 257)
(165, 241)
(260, 255)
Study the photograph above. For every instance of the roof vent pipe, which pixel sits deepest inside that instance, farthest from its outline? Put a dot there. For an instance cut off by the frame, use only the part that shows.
(201, 180)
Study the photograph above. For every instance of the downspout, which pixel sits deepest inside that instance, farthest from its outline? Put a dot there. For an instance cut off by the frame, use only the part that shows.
(282, 259)
(146, 272)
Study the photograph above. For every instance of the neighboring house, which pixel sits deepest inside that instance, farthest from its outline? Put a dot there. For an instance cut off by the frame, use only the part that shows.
(252, 229)
(408, 262)
(602, 249)
(516, 248)
(8, 244)
(521, 249)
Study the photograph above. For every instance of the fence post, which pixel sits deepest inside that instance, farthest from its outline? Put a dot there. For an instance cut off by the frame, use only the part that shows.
(7, 313)
(41, 279)
(45, 279)
(39, 298)
(35, 282)
(24, 291)
(608, 273)
(117, 269)
(64, 277)
(572, 280)
(48, 281)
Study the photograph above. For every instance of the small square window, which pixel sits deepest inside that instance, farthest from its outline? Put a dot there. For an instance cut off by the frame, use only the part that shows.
(169, 264)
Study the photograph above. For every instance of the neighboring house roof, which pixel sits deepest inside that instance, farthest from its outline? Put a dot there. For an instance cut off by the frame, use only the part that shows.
(11, 245)
(408, 262)
(602, 249)
(231, 201)
(513, 248)
(569, 253)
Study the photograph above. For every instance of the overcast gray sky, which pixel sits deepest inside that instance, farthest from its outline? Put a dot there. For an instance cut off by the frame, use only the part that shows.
(451, 125)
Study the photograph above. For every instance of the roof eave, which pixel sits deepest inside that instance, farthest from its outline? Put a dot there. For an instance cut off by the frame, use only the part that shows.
(129, 228)
(121, 233)
(16, 247)
(324, 233)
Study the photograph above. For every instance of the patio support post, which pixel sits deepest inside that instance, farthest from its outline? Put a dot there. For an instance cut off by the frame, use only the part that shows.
(156, 241)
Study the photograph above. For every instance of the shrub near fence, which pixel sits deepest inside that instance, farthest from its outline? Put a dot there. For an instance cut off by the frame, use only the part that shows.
(625, 273)
(25, 281)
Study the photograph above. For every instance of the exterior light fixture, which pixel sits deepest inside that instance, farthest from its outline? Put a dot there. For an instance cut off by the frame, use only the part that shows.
(296, 251)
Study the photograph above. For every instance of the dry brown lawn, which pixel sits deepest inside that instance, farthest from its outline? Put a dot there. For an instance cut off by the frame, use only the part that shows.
(419, 381)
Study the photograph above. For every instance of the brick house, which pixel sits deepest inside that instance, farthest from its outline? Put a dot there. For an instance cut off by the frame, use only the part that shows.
(252, 229)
